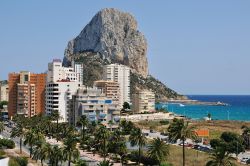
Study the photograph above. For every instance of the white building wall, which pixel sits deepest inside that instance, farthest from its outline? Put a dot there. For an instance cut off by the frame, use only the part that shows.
(4, 92)
(121, 74)
(62, 83)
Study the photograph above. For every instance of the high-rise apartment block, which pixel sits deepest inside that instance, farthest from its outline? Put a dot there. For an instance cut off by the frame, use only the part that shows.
(143, 101)
(4, 91)
(62, 83)
(92, 103)
(120, 74)
(26, 93)
(111, 90)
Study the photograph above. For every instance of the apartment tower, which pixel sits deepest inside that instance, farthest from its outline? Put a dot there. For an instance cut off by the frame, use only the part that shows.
(61, 84)
(110, 89)
(120, 74)
(143, 101)
(26, 94)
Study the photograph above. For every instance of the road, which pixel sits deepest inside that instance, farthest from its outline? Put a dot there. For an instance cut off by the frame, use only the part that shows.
(6, 134)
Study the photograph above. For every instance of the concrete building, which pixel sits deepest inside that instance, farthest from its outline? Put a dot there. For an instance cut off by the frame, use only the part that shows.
(111, 90)
(95, 105)
(62, 83)
(26, 94)
(121, 74)
(4, 91)
(143, 101)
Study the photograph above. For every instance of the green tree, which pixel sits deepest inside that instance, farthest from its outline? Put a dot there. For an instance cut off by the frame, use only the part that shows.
(70, 151)
(137, 138)
(231, 142)
(56, 155)
(246, 136)
(158, 150)
(117, 144)
(56, 116)
(84, 123)
(81, 162)
(220, 157)
(126, 127)
(19, 131)
(105, 163)
(126, 106)
(31, 138)
(38, 151)
(101, 136)
(209, 116)
(2, 103)
(1, 127)
(179, 129)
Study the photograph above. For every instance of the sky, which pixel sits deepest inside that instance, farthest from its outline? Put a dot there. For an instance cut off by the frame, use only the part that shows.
(194, 47)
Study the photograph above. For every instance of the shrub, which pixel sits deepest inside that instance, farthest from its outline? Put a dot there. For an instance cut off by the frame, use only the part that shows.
(18, 161)
(6, 143)
(164, 122)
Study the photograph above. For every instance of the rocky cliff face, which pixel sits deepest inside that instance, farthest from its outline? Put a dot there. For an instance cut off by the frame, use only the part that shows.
(114, 35)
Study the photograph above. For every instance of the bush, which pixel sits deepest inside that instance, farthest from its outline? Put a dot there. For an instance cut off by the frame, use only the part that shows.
(164, 122)
(18, 161)
(2, 154)
(6, 143)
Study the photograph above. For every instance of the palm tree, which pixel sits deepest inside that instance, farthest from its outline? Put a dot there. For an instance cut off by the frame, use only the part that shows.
(102, 134)
(158, 150)
(42, 151)
(70, 149)
(37, 151)
(19, 131)
(30, 138)
(246, 136)
(220, 157)
(84, 123)
(117, 144)
(1, 127)
(56, 155)
(56, 116)
(178, 129)
(137, 138)
(105, 163)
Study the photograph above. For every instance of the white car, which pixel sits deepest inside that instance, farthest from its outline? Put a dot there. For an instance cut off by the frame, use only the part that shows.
(244, 159)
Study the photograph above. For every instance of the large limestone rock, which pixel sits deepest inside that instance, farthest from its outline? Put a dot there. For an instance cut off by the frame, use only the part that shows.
(114, 35)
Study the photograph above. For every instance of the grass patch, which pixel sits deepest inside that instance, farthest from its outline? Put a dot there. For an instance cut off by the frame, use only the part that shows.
(193, 157)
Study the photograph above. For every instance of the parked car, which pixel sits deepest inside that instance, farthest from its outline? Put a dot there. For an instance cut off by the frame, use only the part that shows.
(244, 160)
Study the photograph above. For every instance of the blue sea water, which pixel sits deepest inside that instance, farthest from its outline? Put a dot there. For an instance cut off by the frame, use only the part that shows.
(238, 108)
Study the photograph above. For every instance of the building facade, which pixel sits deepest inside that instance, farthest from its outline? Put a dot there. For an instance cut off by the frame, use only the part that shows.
(4, 91)
(111, 90)
(120, 74)
(26, 94)
(95, 105)
(62, 83)
(143, 101)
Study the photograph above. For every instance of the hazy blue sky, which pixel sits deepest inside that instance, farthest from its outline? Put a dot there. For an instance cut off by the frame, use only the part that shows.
(195, 47)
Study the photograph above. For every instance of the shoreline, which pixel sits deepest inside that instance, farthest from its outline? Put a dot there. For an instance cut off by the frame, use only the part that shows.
(194, 102)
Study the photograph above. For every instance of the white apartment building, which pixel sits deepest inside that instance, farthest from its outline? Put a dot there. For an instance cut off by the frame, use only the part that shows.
(61, 84)
(95, 105)
(4, 91)
(143, 101)
(121, 74)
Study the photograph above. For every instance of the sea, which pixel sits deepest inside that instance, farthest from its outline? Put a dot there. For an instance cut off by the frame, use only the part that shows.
(238, 107)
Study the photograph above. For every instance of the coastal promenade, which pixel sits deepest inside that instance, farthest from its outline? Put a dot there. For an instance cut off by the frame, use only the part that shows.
(152, 116)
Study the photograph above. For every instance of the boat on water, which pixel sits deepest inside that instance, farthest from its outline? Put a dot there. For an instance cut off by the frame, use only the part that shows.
(221, 104)
(181, 105)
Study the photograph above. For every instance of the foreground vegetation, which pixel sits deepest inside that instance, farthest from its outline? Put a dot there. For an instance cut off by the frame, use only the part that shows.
(111, 145)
